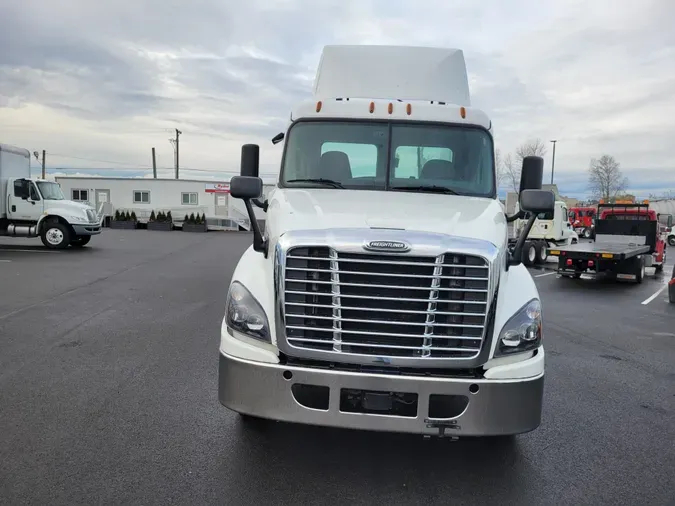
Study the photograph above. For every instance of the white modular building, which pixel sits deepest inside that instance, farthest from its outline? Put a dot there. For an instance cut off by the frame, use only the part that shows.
(180, 196)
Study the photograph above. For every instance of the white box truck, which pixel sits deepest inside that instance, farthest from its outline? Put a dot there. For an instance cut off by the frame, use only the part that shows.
(383, 295)
(33, 207)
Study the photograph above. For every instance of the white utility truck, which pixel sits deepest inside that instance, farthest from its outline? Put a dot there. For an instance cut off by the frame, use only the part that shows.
(549, 230)
(383, 295)
(32, 207)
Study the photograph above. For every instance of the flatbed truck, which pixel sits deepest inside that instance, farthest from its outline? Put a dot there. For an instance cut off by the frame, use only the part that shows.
(627, 241)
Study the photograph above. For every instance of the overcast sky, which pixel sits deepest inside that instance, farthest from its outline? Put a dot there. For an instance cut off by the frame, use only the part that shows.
(106, 80)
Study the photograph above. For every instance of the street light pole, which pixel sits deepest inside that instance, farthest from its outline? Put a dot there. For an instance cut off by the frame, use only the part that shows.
(553, 161)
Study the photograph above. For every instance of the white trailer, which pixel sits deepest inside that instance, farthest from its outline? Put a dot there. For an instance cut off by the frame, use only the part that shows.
(33, 207)
(383, 295)
(144, 195)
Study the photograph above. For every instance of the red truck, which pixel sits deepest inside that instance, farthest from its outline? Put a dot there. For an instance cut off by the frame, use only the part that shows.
(582, 220)
(627, 239)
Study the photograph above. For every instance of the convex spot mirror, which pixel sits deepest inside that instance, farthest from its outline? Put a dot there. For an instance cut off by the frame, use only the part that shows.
(246, 187)
(537, 201)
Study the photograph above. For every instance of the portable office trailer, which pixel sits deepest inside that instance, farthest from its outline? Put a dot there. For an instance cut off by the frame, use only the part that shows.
(144, 195)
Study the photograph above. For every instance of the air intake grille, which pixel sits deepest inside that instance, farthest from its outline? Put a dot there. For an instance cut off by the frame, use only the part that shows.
(385, 305)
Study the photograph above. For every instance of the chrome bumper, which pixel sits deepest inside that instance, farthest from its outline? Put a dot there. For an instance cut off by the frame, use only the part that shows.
(498, 407)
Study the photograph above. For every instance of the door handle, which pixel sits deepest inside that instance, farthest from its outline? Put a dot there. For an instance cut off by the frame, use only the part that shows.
(13, 209)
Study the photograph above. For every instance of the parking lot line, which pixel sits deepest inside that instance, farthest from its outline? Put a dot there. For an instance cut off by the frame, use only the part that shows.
(545, 274)
(652, 297)
(3, 260)
(12, 250)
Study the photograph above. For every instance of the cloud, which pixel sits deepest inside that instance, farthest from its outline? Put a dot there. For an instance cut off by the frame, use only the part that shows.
(106, 81)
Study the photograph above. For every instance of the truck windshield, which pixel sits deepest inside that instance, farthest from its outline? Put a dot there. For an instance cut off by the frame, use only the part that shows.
(50, 191)
(392, 156)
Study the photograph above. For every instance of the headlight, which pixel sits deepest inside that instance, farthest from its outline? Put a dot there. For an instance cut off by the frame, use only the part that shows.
(79, 219)
(523, 330)
(245, 314)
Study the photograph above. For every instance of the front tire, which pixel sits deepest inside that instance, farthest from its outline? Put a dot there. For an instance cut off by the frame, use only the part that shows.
(671, 240)
(55, 235)
(542, 255)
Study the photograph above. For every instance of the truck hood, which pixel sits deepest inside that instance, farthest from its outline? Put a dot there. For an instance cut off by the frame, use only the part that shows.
(68, 206)
(473, 217)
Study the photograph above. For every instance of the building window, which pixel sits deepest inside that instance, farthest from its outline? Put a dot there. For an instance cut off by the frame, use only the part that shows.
(189, 199)
(80, 195)
(141, 197)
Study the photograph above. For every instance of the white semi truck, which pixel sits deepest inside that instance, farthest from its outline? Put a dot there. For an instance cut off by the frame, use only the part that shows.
(33, 207)
(549, 230)
(383, 294)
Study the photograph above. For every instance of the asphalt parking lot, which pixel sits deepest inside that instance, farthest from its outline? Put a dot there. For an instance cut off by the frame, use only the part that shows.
(108, 395)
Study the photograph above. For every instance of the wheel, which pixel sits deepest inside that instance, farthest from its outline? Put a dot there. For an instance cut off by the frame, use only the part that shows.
(80, 241)
(542, 255)
(55, 235)
(671, 240)
(529, 254)
(587, 233)
(640, 270)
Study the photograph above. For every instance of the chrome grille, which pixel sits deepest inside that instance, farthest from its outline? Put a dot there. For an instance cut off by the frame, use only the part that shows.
(385, 305)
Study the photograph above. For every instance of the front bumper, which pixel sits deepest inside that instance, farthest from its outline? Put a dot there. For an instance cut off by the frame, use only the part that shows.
(495, 407)
(88, 229)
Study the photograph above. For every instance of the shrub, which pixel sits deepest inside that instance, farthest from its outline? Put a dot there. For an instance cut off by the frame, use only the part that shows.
(152, 216)
(128, 216)
(160, 216)
(204, 218)
(169, 218)
(192, 218)
(133, 216)
(117, 215)
(186, 219)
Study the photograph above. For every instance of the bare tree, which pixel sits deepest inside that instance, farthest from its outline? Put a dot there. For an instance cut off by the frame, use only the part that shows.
(535, 147)
(605, 179)
(511, 173)
(499, 167)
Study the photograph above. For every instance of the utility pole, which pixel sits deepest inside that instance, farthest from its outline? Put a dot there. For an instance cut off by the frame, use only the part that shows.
(154, 164)
(178, 132)
(37, 157)
(553, 161)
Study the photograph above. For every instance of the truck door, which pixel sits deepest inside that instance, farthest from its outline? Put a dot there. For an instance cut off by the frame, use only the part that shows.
(21, 206)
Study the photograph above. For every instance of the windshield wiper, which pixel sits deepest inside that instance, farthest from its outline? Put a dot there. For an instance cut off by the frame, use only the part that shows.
(427, 188)
(325, 182)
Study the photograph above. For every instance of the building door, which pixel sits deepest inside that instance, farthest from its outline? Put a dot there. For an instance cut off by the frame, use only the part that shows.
(220, 204)
(103, 197)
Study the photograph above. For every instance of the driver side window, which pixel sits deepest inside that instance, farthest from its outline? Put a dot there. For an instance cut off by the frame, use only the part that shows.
(21, 188)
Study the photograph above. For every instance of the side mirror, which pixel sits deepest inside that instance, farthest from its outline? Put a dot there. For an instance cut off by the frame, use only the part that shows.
(533, 202)
(250, 160)
(248, 187)
(245, 187)
(278, 138)
(532, 173)
(537, 201)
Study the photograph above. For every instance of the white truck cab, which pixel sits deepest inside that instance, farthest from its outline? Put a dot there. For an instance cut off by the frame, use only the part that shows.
(549, 230)
(383, 294)
(32, 207)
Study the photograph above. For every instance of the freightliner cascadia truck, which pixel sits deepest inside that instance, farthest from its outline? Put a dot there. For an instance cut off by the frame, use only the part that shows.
(383, 294)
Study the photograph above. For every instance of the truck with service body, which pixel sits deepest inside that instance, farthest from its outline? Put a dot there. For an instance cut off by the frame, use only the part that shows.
(627, 240)
(549, 230)
(382, 294)
(34, 207)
